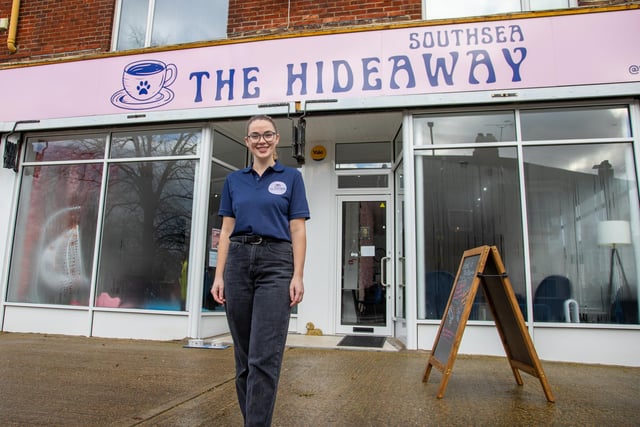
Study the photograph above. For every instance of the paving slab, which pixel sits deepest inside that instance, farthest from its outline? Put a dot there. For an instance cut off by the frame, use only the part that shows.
(81, 381)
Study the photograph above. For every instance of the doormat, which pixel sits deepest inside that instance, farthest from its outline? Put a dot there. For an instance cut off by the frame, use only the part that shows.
(362, 341)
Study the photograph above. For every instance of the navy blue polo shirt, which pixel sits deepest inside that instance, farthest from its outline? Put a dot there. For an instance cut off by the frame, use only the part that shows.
(264, 205)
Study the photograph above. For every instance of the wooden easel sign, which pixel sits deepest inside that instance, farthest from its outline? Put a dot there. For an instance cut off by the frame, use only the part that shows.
(483, 267)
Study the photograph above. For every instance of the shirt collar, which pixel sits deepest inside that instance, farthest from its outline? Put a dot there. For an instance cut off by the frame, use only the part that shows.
(277, 167)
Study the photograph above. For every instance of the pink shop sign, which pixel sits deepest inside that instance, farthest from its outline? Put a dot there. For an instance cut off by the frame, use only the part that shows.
(581, 49)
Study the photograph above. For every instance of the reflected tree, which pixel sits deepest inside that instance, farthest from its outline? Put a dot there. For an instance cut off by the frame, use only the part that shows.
(148, 216)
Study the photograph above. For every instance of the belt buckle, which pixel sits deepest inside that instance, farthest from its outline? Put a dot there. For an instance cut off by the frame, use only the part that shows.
(256, 240)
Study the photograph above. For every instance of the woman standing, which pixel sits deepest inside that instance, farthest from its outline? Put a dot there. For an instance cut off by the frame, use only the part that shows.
(260, 266)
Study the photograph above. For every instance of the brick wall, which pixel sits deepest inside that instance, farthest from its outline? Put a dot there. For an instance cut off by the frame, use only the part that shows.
(274, 16)
(57, 28)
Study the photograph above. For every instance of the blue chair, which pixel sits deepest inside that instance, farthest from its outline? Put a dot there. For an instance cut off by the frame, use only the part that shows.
(548, 301)
(371, 307)
(438, 286)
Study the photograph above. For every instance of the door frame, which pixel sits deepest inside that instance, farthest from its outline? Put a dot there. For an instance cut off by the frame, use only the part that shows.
(351, 329)
(399, 259)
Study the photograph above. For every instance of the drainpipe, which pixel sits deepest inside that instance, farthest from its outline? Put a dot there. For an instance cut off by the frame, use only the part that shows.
(13, 27)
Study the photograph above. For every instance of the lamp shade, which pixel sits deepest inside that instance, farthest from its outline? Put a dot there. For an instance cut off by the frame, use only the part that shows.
(611, 233)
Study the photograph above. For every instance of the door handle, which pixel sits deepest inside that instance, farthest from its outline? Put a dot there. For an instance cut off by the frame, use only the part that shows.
(383, 270)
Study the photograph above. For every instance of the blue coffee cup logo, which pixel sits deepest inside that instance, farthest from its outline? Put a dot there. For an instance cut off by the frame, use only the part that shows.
(143, 80)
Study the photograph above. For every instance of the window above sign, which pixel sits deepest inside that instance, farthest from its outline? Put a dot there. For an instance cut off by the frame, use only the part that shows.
(145, 23)
(442, 9)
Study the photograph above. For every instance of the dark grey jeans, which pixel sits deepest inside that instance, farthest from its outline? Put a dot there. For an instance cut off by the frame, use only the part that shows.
(256, 287)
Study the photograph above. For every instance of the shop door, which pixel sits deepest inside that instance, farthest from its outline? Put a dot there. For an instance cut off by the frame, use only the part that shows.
(366, 270)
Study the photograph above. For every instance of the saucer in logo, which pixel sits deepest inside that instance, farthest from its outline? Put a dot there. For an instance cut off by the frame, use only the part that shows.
(122, 99)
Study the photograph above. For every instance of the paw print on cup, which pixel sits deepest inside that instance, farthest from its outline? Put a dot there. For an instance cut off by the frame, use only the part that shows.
(145, 85)
(143, 80)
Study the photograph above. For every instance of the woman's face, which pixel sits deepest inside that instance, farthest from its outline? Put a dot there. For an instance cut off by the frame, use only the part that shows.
(262, 139)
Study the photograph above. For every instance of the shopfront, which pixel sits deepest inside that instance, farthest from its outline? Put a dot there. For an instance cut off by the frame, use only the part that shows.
(415, 144)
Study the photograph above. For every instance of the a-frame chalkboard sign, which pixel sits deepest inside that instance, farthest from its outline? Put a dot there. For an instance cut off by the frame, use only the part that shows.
(483, 267)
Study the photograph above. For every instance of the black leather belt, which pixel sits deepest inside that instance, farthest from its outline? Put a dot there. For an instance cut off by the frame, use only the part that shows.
(254, 239)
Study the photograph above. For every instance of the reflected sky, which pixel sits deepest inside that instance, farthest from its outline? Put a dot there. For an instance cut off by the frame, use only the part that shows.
(583, 158)
(439, 9)
(580, 158)
(173, 22)
(201, 20)
(575, 123)
(466, 128)
(592, 124)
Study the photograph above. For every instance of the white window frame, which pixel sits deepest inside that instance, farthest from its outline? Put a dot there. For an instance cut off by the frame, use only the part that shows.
(149, 28)
(525, 6)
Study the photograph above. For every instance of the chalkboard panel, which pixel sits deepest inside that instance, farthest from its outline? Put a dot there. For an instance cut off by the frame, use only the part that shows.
(505, 310)
(458, 301)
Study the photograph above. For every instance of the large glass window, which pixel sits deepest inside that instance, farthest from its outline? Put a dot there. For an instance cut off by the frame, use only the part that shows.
(144, 23)
(147, 221)
(575, 123)
(441, 9)
(582, 205)
(580, 187)
(55, 231)
(144, 230)
(64, 148)
(465, 128)
(154, 144)
(465, 198)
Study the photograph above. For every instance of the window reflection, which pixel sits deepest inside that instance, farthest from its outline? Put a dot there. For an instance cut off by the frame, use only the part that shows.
(465, 128)
(229, 150)
(65, 148)
(132, 28)
(373, 155)
(468, 199)
(55, 234)
(575, 123)
(173, 22)
(155, 144)
(440, 9)
(570, 191)
(147, 223)
(549, 4)
(183, 22)
(214, 224)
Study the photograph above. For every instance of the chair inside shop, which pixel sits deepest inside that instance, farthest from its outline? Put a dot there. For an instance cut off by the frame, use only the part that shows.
(438, 288)
(371, 307)
(549, 299)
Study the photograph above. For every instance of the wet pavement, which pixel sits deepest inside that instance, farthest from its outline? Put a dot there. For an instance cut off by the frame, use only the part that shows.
(80, 381)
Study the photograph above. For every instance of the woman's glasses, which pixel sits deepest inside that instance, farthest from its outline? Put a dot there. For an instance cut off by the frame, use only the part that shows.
(268, 136)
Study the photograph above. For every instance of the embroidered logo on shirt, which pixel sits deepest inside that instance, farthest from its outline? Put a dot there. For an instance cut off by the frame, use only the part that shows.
(277, 188)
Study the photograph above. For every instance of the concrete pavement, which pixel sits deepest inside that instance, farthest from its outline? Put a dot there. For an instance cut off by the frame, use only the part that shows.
(80, 381)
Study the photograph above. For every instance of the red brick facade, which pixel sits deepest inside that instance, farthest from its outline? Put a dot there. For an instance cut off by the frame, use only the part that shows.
(49, 29)
(53, 29)
(269, 16)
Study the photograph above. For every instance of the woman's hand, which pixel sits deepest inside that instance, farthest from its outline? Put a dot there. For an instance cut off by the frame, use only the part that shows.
(296, 291)
(217, 290)
(298, 231)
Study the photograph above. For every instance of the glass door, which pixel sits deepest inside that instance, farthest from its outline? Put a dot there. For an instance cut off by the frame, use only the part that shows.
(366, 270)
